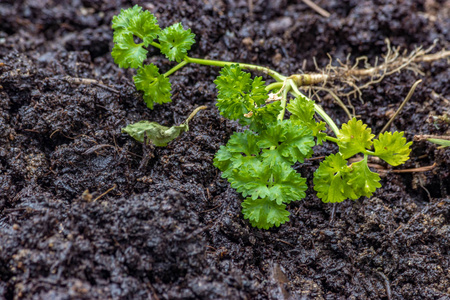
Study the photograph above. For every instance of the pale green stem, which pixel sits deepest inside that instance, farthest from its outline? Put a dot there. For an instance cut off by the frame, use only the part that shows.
(331, 139)
(368, 152)
(283, 100)
(318, 109)
(176, 68)
(275, 85)
(218, 63)
(443, 143)
(194, 113)
(156, 45)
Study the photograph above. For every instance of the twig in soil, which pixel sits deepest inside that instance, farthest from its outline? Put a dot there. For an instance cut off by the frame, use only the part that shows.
(411, 92)
(387, 284)
(315, 158)
(96, 148)
(197, 232)
(287, 243)
(382, 169)
(333, 213)
(88, 81)
(317, 8)
(211, 209)
(153, 291)
(412, 170)
(250, 8)
(109, 190)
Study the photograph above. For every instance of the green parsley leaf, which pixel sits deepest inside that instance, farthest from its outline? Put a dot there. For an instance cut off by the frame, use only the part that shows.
(159, 135)
(363, 181)
(239, 95)
(286, 142)
(330, 180)
(128, 54)
(354, 137)
(278, 183)
(302, 113)
(142, 24)
(176, 41)
(156, 87)
(240, 149)
(263, 213)
(392, 148)
(264, 115)
(121, 22)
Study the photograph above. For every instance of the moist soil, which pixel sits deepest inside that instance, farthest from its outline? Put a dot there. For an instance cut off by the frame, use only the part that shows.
(88, 213)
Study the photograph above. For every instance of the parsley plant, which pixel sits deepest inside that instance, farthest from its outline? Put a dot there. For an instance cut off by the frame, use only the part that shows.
(257, 162)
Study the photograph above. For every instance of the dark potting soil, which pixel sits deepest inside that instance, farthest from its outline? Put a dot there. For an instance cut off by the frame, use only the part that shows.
(88, 213)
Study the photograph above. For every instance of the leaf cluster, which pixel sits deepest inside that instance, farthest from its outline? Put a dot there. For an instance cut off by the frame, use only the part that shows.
(258, 162)
(242, 98)
(258, 165)
(134, 31)
(335, 180)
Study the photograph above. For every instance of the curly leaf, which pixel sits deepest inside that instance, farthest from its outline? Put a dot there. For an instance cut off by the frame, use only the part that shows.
(278, 183)
(392, 148)
(159, 135)
(264, 115)
(302, 113)
(354, 137)
(239, 95)
(141, 24)
(330, 180)
(363, 181)
(121, 22)
(263, 213)
(156, 87)
(258, 93)
(128, 54)
(176, 41)
(286, 141)
(240, 149)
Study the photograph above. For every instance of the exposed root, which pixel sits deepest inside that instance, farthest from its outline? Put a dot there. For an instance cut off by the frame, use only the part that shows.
(347, 79)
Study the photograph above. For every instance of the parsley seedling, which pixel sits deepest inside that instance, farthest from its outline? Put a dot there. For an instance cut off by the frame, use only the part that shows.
(257, 162)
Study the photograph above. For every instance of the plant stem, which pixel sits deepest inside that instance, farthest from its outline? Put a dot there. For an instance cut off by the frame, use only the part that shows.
(331, 139)
(194, 113)
(274, 85)
(318, 109)
(218, 63)
(156, 45)
(283, 100)
(176, 68)
(368, 152)
(275, 75)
